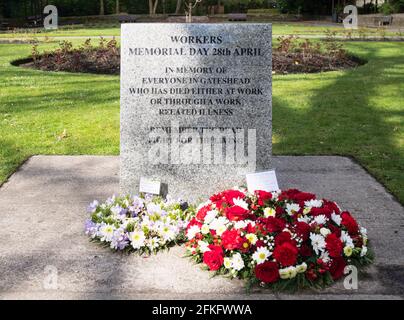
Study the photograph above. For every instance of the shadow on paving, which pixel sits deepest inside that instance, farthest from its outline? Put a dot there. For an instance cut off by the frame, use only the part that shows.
(329, 103)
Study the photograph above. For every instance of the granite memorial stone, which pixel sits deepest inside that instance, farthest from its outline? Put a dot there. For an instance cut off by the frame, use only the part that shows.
(196, 111)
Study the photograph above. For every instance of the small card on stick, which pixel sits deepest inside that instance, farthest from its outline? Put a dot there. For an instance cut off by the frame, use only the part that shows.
(149, 186)
(262, 181)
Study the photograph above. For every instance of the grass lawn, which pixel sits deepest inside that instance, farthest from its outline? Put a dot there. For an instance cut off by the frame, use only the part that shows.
(296, 28)
(357, 113)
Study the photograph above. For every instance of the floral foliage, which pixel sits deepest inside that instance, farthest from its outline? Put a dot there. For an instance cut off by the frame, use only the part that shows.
(283, 240)
(140, 224)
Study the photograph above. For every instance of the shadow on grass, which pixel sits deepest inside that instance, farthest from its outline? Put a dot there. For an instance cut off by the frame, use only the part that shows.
(342, 118)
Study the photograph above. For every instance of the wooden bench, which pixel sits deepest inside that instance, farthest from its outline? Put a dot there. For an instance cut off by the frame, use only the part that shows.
(126, 19)
(384, 21)
(34, 22)
(237, 17)
(4, 26)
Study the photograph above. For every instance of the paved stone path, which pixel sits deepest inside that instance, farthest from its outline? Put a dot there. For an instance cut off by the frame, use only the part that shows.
(42, 210)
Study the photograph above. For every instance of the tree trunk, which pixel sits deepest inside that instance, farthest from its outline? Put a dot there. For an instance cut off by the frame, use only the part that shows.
(117, 10)
(102, 12)
(153, 7)
(178, 7)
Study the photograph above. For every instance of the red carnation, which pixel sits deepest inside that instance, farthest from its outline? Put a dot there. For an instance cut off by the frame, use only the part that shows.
(324, 210)
(260, 243)
(296, 195)
(337, 268)
(349, 223)
(262, 196)
(284, 237)
(250, 228)
(194, 222)
(236, 213)
(231, 239)
(213, 259)
(334, 245)
(267, 272)
(218, 200)
(274, 224)
(202, 213)
(334, 229)
(286, 254)
(230, 195)
(218, 249)
(279, 211)
(311, 275)
(305, 251)
(303, 230)
(332, 205)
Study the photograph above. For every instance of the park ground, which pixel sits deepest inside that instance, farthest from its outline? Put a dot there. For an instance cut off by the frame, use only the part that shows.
(357, 113)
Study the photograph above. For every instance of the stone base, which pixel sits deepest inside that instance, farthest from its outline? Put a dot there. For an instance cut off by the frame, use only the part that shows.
(42, 213)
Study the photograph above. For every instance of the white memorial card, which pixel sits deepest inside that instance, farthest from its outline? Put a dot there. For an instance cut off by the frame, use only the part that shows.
(149, 186)
(262, 181)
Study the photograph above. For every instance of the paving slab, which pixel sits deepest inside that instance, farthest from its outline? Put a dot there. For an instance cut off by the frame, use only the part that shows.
(42, 212)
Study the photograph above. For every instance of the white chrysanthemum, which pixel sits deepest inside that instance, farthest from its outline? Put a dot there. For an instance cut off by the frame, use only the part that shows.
(252, 238)
(146, 223)
(321, 219)
(306, 219)
(205, 229)
(193, 231)
(261, 255)
(237, 262)
(203, 246)
(325, 257)
(292, 272)
(364, 251)
(301, 268)
(240, 224)
(227, 263)
(167, 233)
(336, 218)
(218, 223)
(210, 215)
(220, 229)
(284, 273)
(317, 242)
(313, 203)
(346, 239)
(275, 195)
(137, 239)
(288, 273)
(363, 231)
(348, 251)
(153, 208)
(292, 208)
(153, 243)
(106, 232)
(241, 203)
(269, 212)
(325, 232)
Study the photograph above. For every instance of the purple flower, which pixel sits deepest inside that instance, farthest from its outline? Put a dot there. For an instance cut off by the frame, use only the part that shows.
(110, 200)
(119, 211)
(137, 206)
(92, 207)
(91, 228)
(119, 240)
